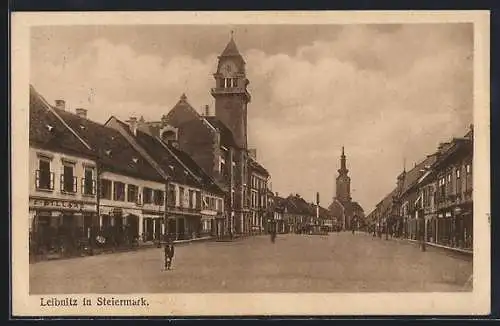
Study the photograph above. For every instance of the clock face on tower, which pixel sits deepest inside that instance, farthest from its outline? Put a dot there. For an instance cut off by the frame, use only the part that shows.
(228, 68)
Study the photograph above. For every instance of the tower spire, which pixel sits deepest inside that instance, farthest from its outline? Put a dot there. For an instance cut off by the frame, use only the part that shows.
(231, 50)
(343, 167)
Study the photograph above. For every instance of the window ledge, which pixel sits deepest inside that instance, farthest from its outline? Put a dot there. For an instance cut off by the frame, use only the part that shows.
(44, 190)
(88, 195)
(68, 193)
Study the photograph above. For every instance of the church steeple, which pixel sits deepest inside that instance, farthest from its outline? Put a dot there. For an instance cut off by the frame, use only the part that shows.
(343, 182)
(343, 169)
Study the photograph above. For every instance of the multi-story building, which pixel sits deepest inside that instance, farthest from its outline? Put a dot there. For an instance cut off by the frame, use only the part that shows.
(218, 142)
(297, 214)
(62, 176)
(433, 201)
(258, 194)
(195, 204)
(105, 187)
(275, 210)
(446, 195)
(130, 192)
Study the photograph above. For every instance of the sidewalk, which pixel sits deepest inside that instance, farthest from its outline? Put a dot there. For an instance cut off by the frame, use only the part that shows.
(428, 244)
(144, 245)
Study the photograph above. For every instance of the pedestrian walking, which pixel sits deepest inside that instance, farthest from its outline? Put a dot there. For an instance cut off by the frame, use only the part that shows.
(169, 255)
(273, 236)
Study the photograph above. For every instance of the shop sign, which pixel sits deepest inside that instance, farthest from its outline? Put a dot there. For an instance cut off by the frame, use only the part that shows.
(57, 204)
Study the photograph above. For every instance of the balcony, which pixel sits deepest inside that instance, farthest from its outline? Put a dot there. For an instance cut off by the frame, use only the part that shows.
(88, 187)
(44, 180)
(228, 90)
(68, 184)
(184, 209)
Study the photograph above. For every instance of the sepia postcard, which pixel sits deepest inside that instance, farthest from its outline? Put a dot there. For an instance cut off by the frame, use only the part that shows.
(250, 163)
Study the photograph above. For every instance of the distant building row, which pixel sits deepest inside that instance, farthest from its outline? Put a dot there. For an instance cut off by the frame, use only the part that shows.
(433, 201)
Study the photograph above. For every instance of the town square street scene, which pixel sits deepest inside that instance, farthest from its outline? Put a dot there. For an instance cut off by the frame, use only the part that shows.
(251, 158)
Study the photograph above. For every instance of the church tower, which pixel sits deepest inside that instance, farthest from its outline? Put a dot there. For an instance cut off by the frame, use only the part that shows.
(230, 92)
(343, 186)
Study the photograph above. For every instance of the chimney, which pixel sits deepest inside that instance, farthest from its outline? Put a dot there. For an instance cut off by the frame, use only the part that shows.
(276, 194)
(82, 113)
(207, 110)
(132, 124)
(60, 104)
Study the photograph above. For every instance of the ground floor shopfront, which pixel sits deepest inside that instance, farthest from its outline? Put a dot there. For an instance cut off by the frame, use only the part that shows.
(60, 226)
(451, 227)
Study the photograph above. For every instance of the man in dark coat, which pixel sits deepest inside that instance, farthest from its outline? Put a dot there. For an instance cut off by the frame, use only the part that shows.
(169, 254)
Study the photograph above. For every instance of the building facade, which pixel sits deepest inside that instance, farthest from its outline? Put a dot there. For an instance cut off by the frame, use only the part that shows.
(93, 176)
(194, 205)
(433, 201)
(258, 195)
(217, 141)
(62, 183)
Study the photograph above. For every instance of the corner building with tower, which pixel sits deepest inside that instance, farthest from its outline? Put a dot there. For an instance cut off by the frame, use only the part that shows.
(218, 142)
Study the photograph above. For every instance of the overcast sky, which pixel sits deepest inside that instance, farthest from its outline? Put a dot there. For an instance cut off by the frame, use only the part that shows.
(385, 92)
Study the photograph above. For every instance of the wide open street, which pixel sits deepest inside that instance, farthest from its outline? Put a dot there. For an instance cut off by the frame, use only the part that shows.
(339, 262)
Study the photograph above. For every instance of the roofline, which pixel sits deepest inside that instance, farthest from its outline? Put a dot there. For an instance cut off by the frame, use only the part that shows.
(178, 159)
(51, 109)
(148, 157)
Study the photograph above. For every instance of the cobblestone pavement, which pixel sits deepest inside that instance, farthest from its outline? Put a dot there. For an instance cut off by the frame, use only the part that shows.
(339, 262)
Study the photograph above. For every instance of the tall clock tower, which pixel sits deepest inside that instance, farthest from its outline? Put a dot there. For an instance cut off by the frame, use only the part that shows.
(231, 94)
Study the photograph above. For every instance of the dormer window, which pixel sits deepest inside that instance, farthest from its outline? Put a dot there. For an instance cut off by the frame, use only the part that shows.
(108, 152)
(135, 160)
(82, 127)
(49, 127)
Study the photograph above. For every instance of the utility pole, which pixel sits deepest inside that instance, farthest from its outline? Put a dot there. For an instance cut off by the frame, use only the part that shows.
(317, 208)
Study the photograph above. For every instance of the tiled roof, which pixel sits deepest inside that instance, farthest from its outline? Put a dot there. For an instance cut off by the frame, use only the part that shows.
(226, 136)
(279, 202)
(159, 151)
(334, 205)
(357, 206)
(231, 49)
(167, 161)
(297, 205)
(58, 138)
(386, 203)
(207, 182)
(258, 168)
(116, 154)
(411, 177)
(324, 213)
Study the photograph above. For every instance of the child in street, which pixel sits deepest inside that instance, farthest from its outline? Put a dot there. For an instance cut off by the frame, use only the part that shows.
(169, 255)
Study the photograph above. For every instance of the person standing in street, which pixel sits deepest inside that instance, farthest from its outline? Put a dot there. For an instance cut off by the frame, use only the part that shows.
(169, 255)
